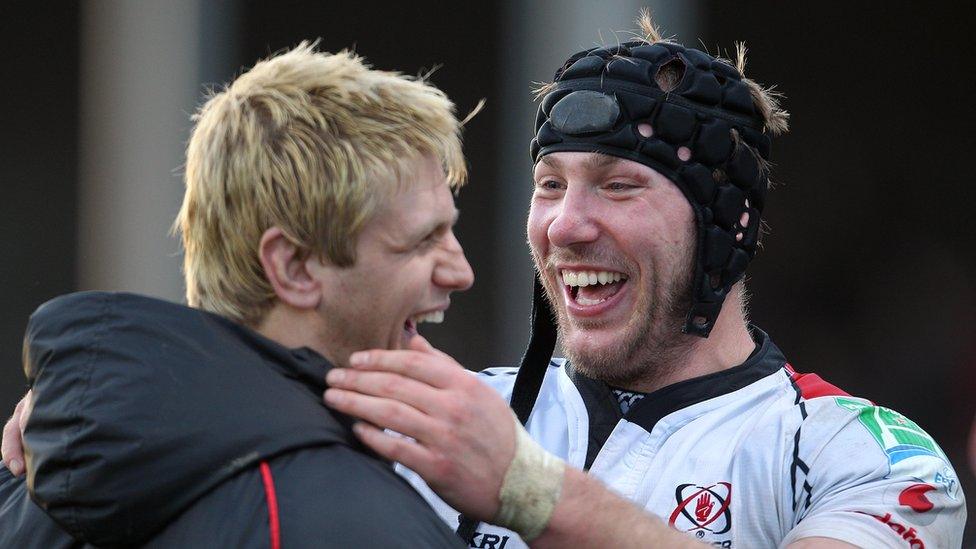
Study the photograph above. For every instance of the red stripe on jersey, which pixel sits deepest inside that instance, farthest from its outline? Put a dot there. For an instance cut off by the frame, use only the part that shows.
(813, 386)
(269, 494)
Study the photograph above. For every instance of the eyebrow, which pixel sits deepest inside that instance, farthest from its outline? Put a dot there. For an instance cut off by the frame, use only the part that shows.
(596, 161)
(437, 223)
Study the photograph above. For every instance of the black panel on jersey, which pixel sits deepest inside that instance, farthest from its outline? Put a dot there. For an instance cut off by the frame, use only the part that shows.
(602, 411)
(766, 359)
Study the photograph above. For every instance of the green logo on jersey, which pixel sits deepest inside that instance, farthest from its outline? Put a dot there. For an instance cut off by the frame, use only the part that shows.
(900, 437)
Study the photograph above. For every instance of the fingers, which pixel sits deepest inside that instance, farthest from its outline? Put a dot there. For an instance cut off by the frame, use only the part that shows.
(396, 448)
(384, 384)
(385, 413)
(11, 448)
(435, 370)
(25, 411)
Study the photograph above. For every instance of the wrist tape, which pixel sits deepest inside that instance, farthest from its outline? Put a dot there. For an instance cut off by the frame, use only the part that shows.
(531, 487)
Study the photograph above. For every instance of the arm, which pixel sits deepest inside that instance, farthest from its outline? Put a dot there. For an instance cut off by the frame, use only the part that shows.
(589, 515)
(463, 441)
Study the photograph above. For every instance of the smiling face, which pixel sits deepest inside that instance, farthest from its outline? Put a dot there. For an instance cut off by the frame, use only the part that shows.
(408, 262)
(614, 243)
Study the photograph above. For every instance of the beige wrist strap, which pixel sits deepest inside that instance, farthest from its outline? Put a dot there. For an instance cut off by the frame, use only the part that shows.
(531, 487)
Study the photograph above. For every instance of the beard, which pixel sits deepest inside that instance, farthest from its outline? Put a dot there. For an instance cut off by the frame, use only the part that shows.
(651, 343)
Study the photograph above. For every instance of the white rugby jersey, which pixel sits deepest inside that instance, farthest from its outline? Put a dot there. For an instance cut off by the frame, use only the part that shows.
(754, 456)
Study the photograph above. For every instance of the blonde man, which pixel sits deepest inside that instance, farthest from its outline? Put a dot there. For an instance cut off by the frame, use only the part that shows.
(317, 222)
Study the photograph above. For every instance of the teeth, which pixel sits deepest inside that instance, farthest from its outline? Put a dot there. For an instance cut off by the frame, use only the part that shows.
(435, 317)
(586, 278)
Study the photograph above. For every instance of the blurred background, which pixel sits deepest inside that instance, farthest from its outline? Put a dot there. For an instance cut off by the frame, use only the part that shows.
(867, 277)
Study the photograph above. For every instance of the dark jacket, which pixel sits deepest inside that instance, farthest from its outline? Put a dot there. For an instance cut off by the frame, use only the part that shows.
(163, 425)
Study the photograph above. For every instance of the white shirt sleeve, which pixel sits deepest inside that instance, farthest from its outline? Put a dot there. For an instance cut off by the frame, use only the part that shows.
(871, 477)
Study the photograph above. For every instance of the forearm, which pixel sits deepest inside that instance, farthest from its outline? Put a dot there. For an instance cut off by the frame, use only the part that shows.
(588, 514)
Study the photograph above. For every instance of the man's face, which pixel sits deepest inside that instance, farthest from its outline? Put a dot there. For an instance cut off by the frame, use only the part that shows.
(408, 262)
(633, 228)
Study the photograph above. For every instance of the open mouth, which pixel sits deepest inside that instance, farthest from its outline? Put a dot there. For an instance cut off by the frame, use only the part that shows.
(433, 317)
(592, 288)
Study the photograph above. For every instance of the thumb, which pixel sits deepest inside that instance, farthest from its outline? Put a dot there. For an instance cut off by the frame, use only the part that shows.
(418, 343)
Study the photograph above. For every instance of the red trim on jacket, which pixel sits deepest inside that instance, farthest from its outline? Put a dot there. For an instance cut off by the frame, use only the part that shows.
(813, 386)
(269, 493)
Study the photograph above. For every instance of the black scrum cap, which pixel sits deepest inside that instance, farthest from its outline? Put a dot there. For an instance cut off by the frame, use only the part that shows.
(599, 98)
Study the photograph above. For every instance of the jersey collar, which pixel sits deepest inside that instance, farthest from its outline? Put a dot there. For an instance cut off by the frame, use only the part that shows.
(604, 411)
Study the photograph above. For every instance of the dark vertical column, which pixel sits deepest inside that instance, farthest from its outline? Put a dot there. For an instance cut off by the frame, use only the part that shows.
(38, 172)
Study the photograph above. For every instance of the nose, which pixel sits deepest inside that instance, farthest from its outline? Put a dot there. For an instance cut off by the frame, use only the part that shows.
(453, 272)
(573, 222)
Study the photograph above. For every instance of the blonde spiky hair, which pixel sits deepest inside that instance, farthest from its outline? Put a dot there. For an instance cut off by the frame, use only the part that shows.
(309, 142)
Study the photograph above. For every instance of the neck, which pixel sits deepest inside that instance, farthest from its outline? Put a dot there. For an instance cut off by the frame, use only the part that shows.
(296, 328)
(728, 345)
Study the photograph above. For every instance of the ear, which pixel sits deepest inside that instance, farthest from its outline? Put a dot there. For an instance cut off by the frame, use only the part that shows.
(285, 267)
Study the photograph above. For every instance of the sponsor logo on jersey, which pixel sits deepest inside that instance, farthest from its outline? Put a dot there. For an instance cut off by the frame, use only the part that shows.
(911, 451)
(909, 534)
(914, 497)
(703, 510)
(947, 479)
(900, 437)
(483, 540)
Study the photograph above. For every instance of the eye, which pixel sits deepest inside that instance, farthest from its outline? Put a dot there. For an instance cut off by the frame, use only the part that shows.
(436, 236)
(622, 187)
(549, 188)
(428, 240)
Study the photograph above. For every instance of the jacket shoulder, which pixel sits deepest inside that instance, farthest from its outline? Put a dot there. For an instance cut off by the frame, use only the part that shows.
(330, 496)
